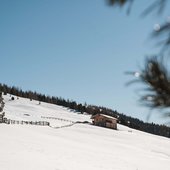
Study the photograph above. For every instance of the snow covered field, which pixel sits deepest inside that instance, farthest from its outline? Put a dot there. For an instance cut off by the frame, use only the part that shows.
(78, 147)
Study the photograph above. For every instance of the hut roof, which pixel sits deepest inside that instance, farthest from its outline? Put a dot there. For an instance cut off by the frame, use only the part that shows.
(110, 117)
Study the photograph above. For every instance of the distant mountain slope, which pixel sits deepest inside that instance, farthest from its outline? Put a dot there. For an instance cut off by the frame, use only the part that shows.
(123, 119)
(79, 147)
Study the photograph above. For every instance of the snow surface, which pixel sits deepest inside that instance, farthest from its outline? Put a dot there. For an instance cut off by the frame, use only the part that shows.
(78, 147)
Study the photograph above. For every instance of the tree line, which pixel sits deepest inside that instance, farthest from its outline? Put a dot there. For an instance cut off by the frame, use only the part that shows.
(131, 122)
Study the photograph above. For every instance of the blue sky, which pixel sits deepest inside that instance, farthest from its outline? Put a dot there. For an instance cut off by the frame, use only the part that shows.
(76, 49)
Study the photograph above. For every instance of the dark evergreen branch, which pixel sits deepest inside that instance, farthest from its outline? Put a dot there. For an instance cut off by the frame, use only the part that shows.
(117, 2)
(157, 5)
(157, 80)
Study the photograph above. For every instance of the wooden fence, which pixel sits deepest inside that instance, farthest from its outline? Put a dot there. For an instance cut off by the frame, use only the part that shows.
(40, 123)
(55, 118)
(57, 127)
(71, 123)
(2, 117)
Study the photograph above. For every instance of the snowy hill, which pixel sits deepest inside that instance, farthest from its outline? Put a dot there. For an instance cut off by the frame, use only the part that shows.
(78, 147)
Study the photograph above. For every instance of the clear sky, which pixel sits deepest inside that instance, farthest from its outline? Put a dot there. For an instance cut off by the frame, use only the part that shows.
(76, 49)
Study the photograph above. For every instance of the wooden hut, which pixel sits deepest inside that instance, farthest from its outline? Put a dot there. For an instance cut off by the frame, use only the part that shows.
(104, 121)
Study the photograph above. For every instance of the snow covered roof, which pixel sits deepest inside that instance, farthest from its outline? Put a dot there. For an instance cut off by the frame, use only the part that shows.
(110, 117)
